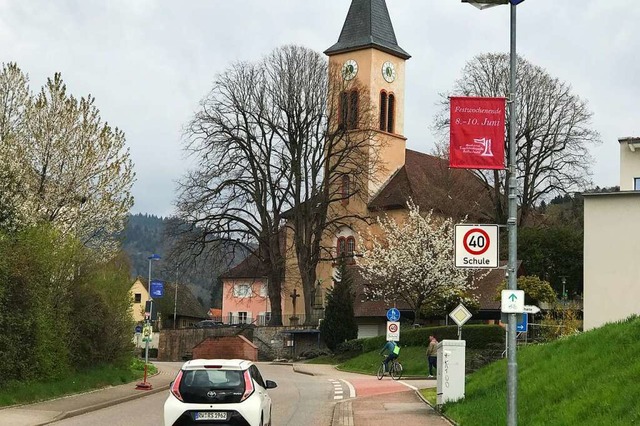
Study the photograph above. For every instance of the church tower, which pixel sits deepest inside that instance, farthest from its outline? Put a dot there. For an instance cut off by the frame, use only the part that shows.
(368, 53)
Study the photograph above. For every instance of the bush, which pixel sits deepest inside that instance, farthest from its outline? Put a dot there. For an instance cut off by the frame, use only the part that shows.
(354, 345)
(314, 353)
(477, 336)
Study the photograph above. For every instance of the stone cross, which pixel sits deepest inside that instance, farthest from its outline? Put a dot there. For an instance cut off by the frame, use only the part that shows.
(294, 296)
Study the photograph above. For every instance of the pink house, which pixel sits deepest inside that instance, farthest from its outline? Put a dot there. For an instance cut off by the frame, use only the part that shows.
(245, 297)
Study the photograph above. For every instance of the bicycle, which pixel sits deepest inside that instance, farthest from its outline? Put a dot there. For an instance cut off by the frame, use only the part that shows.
(395, 369)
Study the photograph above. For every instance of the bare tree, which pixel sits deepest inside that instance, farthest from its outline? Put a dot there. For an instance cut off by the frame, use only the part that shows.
(326, 125)
(269, 162)
(553, 135)
(238, 190)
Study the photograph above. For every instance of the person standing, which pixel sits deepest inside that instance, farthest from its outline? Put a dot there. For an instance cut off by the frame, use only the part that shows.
(432, 355)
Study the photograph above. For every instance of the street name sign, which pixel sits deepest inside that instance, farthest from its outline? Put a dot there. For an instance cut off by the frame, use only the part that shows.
(512, 301)
(476, 246)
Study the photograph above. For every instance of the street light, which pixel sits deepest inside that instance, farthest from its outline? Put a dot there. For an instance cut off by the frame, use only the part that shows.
(144, 385)
(512, 365)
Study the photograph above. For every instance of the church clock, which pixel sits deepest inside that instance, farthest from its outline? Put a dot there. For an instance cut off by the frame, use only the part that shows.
(349, 69)
(389, 72)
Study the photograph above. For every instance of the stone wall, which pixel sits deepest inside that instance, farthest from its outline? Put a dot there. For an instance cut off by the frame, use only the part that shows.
(271, 342)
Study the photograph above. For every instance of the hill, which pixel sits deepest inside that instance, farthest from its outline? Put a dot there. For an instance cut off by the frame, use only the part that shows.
(145, 235)
(586, 379)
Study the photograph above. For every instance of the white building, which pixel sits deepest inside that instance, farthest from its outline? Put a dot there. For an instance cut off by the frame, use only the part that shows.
(612, 245)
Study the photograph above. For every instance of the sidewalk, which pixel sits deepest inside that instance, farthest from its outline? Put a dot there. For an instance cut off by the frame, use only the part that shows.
(46, 412)
(401, 408)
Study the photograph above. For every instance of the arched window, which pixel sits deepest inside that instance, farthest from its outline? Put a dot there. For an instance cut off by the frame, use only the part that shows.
(383, 110)
(351, 246)
(341, 247)
(345, 189)
(391, 113)
(387, 111)
(348, 112)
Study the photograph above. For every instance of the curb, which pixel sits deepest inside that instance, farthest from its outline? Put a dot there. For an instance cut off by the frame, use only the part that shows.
(296, 370)
(84, 410)
(342, 414)
(450, 421)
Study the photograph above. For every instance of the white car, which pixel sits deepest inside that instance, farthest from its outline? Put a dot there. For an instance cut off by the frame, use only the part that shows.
(219, 392)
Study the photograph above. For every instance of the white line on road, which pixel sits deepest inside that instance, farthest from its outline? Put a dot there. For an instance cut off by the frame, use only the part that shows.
(409, 386)
(352, 390)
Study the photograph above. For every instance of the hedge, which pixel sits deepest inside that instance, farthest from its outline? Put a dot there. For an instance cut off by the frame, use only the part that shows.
(477, 336)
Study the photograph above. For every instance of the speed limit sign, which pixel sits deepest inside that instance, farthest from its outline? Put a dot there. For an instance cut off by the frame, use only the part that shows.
(476, 246)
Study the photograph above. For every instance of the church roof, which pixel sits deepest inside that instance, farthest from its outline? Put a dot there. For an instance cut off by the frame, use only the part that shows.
(368, 25)
(432, 185)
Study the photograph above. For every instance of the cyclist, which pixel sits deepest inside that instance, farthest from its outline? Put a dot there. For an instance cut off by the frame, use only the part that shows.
(394, 352)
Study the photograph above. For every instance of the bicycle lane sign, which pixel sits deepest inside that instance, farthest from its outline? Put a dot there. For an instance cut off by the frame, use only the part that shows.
(393, 331)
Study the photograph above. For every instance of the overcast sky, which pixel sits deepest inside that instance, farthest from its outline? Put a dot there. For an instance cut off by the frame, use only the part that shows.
(150, 62)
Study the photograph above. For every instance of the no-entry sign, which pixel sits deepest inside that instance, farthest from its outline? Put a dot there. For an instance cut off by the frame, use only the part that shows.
(476, 246)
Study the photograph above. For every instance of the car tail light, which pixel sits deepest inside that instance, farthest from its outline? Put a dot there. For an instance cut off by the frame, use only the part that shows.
(175, 387)
(248, 386)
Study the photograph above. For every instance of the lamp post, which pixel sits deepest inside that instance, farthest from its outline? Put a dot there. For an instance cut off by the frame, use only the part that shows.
(512, 365)
(175, 301)
(144, 385)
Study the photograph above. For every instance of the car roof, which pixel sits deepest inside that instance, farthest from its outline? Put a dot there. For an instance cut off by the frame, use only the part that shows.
(224, 364)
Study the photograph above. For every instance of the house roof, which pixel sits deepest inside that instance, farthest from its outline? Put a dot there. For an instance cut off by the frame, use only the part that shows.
(250, 267)
(368, 25)
(186, 303)
(432, 185)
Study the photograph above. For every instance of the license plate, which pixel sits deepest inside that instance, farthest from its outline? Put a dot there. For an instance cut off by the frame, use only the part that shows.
(211, 415)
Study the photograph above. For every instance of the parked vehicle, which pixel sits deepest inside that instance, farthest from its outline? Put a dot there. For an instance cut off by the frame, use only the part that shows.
(208, 324)
(211, 391)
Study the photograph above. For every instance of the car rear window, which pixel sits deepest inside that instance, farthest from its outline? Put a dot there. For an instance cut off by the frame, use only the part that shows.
(212, 386)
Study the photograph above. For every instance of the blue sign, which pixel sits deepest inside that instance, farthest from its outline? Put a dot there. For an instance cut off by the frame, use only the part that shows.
(138, 329)
(157, 288)
(516, 2)
(393, 314)
(523, 326)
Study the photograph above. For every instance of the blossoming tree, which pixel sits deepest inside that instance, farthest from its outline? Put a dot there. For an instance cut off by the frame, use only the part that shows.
(412, 261)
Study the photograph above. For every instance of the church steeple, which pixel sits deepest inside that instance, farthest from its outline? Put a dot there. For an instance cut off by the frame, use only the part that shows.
(368, 25)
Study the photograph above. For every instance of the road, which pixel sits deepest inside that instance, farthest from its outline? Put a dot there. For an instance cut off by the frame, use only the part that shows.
(299, 399)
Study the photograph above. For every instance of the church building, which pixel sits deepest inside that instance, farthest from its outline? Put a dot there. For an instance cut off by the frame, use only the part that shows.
(372, 63)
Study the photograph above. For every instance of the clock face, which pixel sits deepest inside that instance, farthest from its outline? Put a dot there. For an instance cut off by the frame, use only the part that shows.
(389, 71)
(349, 69)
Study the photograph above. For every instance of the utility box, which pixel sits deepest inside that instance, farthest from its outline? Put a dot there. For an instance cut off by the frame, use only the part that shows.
(451, 368)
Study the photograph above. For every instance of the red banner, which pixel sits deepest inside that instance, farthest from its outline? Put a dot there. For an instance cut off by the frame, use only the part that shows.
(477, 133)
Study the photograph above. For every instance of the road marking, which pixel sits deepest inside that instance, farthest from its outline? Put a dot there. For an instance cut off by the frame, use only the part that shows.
(337, 389)
(409, 386)
(352, 390)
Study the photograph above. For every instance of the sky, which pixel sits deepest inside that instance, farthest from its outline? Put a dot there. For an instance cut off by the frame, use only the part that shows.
(149, 63)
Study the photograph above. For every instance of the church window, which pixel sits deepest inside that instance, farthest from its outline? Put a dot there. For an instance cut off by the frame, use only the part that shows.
(351, 246)
(345, 189)
(349, 110)
(341, 246)
(346, 247)
(391, 106)
(387, 111)
(383, 110)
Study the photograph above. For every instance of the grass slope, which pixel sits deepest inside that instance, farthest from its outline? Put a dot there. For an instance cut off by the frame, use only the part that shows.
(101, 376)
(588, 379)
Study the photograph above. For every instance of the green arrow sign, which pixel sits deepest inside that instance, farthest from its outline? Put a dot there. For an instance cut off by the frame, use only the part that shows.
(513, 297)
